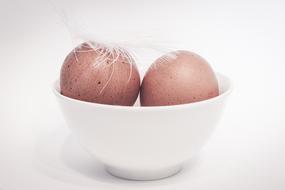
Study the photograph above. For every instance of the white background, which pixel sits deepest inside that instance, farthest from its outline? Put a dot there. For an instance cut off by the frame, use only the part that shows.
(242, 39)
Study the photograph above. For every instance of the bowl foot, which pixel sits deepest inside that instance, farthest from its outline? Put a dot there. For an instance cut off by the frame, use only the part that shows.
(143, 175)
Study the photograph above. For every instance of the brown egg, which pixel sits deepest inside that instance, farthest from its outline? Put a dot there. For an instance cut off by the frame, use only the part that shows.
(178, 78)
(93, 73)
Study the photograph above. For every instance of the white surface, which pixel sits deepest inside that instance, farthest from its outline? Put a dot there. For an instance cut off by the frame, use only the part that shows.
(144, 143)
(243, 39)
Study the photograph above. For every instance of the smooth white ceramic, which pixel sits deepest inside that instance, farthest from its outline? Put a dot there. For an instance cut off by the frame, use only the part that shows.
(144, 143)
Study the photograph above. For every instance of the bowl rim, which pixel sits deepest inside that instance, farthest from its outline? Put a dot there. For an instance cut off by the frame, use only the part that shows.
(55, 89)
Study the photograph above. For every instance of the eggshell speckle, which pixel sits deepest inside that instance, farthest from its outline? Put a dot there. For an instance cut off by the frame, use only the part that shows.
(99, 76)
(178, 78)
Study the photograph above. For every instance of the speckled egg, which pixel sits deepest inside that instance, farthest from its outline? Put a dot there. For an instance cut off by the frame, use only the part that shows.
(179, 77)
(95, 73)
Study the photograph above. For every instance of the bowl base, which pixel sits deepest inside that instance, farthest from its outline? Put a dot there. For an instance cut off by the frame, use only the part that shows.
(143, 175)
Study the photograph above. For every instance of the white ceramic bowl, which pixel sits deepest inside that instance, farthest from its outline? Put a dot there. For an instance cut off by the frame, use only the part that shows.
(143, 143)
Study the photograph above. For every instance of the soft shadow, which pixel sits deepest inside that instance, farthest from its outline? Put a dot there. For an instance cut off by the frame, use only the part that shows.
(58, 155)
(80, 161)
